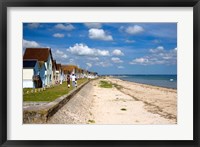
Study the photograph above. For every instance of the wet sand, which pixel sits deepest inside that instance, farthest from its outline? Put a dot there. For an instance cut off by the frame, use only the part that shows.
(124, 103)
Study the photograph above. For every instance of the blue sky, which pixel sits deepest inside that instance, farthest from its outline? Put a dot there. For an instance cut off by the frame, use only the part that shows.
(108, 48)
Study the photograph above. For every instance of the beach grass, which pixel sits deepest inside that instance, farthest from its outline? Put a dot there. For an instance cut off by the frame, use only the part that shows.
(49, 94)
(105, 84)
(119, 87)
(91, 121)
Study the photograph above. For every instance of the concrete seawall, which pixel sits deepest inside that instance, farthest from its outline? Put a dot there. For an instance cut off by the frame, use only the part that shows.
(40, 114)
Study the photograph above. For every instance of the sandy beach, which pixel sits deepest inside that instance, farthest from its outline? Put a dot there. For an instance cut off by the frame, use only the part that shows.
(124, 103)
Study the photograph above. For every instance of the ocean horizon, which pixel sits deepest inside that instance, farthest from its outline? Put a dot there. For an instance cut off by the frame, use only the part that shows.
(167, 81)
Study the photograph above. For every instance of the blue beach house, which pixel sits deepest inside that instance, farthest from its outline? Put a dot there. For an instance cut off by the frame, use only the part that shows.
(31, 78)
(42, 55)
(42, 72)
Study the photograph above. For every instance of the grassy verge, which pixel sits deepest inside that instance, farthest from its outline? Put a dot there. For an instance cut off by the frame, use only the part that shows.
(49, 94)
(105, 84)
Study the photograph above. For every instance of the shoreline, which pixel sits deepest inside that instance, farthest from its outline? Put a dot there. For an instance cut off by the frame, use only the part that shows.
(144, 84)
(159, 100)
(129, 103)
(141, 83)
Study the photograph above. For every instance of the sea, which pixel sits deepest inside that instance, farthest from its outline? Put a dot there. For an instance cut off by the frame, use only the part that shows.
(167, 81)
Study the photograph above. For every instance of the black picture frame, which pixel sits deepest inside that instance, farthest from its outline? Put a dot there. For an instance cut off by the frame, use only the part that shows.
(4, 4)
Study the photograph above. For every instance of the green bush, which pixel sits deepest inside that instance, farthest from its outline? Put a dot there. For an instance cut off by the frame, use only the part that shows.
(105, 84)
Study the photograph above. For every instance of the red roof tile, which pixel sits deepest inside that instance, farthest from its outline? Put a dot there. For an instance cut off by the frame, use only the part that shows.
(54, 64)
(58, 66)
(41, 54)
(69, 68)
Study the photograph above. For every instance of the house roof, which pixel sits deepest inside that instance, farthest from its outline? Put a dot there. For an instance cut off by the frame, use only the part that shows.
(69, 68)
(41, 54)
(58, 66)
(29, 63)
(54, 64)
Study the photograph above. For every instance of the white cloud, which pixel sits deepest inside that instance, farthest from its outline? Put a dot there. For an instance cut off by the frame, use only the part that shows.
(104, 64)
(30, 44)
(93, 58)
(156, 41)
(33, 25)
(59, 56)
(64, 56)
(71, 61)
(134, 29)
(93, 25)
(102, 52)
(58, 35)
(99, 34)
(158, 56)
(142, 61)
(121, 29)
(67, 27)
(69, 35)
(120, 67)
(159, 49)
(84, 50)
(130, 41)
(117, 52)
(116, 60)
(81, 35)
(89, 65)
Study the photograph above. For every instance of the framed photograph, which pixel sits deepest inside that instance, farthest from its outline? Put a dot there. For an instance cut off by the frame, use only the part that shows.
(86, 73)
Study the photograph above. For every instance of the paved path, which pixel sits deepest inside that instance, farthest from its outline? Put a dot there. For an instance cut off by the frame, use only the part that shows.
(77, 110)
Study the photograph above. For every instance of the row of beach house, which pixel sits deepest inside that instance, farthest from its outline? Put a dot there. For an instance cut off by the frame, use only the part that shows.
(41, 70)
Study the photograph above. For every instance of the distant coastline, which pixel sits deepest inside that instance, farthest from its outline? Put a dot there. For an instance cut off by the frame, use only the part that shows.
(166, 81)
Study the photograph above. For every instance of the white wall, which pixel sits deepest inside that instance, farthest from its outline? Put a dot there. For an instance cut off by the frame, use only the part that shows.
(28, 84)
(28, 74)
